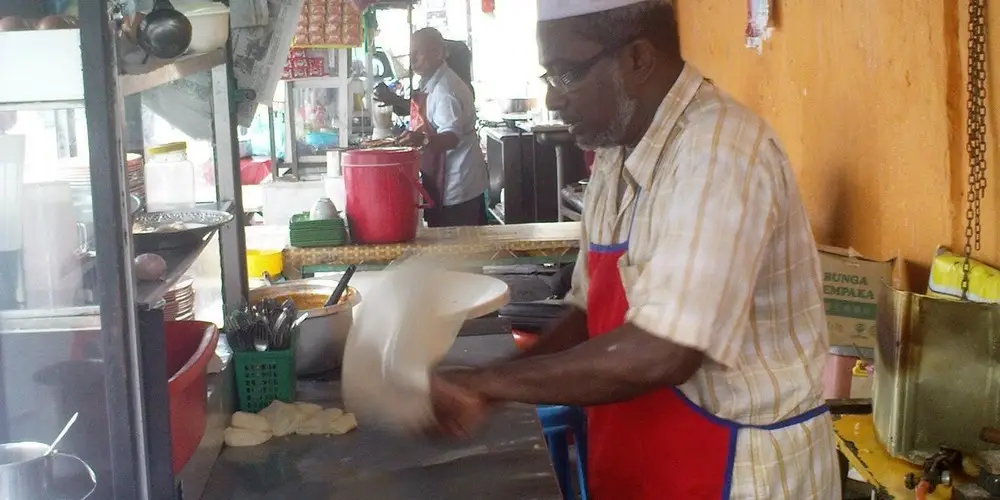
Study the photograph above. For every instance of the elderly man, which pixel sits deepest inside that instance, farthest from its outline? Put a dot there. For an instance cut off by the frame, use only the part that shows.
(443, 123)
(698, 333)
(458, 57)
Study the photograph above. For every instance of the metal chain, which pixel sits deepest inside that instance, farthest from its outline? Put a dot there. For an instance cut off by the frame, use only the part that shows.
(976, 130)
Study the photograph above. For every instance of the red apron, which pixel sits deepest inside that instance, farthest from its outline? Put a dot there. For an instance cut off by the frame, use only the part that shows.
(660, 445)
(431, 164)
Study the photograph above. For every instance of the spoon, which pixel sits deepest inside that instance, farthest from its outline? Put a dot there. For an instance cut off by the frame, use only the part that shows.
(65, 429)
(341, 286)
(299, 321)
(287, 334)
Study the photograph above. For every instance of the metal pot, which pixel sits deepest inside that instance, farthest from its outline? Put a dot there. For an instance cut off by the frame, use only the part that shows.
(516, 106)
(323, 335)
(27, 473)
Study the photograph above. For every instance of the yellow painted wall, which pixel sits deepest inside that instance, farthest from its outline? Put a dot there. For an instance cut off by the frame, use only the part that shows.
(868, 97)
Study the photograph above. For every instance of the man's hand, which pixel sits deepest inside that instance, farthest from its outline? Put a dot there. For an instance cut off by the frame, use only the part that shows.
(385, 95)
(412, 139)
(458, 408)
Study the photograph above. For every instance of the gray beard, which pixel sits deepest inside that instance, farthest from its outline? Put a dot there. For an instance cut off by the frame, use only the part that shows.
(614, 135)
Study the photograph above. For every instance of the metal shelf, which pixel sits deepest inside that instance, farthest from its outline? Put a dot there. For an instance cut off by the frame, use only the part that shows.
(157, 73)
(148, 293)
(50, 71)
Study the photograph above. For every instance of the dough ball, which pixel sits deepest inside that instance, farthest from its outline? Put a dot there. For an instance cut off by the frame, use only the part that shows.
(320, 423)
(283, 417)
(245, 437)
(347, 423)
(250, 421)
(308, 409)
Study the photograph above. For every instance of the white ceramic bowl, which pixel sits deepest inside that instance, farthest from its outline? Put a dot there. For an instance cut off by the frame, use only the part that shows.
(209, 26)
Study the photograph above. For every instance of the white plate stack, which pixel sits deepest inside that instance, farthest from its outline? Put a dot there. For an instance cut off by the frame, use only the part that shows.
(180, 301)
(135, 176)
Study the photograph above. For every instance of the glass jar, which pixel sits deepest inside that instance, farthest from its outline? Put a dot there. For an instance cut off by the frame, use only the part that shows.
(170, 178)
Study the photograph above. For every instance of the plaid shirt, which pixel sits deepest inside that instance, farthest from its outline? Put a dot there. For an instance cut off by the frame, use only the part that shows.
(721, 258)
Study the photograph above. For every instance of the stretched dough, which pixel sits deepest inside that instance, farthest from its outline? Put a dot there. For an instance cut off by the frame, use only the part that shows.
(245, 437)
(343, 425)
(320, 423)
(250, 421)
(283, 417)
(308, 409)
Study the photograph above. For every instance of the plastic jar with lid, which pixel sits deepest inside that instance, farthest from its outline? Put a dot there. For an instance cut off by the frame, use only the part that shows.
(170, 178)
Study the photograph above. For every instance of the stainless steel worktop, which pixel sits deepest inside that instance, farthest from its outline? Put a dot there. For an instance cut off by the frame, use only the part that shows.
(507, 459)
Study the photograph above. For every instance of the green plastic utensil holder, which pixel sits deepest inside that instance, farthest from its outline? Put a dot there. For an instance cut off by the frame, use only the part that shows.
(263, 377)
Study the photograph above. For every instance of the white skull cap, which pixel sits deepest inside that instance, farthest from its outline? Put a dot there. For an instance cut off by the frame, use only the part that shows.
(550, 10)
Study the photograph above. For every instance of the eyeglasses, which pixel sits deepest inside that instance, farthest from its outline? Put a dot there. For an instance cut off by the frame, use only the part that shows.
(572, 77)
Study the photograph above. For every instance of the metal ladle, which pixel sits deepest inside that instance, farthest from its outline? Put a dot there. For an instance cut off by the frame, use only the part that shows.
(62, 434)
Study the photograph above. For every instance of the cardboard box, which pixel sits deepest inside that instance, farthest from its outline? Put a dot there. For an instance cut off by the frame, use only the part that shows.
(851, 284)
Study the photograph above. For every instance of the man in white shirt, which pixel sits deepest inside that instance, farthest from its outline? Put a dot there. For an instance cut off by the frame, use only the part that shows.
(443, 123)
(697, 335)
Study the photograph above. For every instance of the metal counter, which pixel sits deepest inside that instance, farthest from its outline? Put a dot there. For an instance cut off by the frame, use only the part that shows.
(506, 460)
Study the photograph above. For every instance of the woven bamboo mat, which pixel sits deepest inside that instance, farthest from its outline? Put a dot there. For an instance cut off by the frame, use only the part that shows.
(483, 242)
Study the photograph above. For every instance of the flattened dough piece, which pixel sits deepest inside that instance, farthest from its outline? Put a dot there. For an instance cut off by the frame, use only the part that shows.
(320, 423)
(250, 421)
(245, 437)
(283, 417)
(347, 423)
(308, 409)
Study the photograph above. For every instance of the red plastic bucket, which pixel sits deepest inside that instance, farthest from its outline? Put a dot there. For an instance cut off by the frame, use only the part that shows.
(383, 194)
(190, 346)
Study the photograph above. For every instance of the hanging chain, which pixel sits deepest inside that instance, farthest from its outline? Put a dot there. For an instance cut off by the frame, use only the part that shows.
(976, 129)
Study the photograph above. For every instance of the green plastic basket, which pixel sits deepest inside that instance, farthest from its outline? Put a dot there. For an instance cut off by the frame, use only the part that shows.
(263, 377)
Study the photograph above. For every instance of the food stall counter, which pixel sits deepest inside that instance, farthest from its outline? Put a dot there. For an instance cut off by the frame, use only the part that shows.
(857, 442)
(512, 243)
(507, 458)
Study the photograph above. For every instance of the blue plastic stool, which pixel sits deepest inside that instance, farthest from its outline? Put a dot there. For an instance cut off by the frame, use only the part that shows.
(558, 422)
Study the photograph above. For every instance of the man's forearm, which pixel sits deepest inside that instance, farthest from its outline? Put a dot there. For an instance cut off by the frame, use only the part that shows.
(613, 367)
(568, 332)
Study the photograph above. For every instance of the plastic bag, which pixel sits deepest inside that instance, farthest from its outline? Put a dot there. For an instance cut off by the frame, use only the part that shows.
(400, 333)
(946, 279)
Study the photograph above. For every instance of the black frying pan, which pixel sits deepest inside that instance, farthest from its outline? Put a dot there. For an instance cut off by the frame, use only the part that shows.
(164, 32)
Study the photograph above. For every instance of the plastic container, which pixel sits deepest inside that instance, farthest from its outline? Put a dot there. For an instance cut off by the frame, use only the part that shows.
(263, 377)
(170, 178)
(190, 346)
(383, 194)
(282, 200)
(843, 380)
(261, 261)
(564, 426)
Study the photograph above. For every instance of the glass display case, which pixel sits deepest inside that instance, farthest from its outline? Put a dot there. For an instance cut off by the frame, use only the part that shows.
(325, 113)
(79, 331)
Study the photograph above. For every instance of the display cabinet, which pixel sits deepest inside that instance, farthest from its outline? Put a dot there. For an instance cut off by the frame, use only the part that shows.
(78, 331)
(324, 113)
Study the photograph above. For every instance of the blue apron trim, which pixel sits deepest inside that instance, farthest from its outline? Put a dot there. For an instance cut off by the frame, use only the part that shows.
(617, 247)
(734, 428)
(623, 246)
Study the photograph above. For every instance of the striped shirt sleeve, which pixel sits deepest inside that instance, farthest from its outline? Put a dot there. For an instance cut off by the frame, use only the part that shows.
(577, 295)
(714, 219)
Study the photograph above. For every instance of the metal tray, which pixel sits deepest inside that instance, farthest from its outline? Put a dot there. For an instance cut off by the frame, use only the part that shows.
(206, 222)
